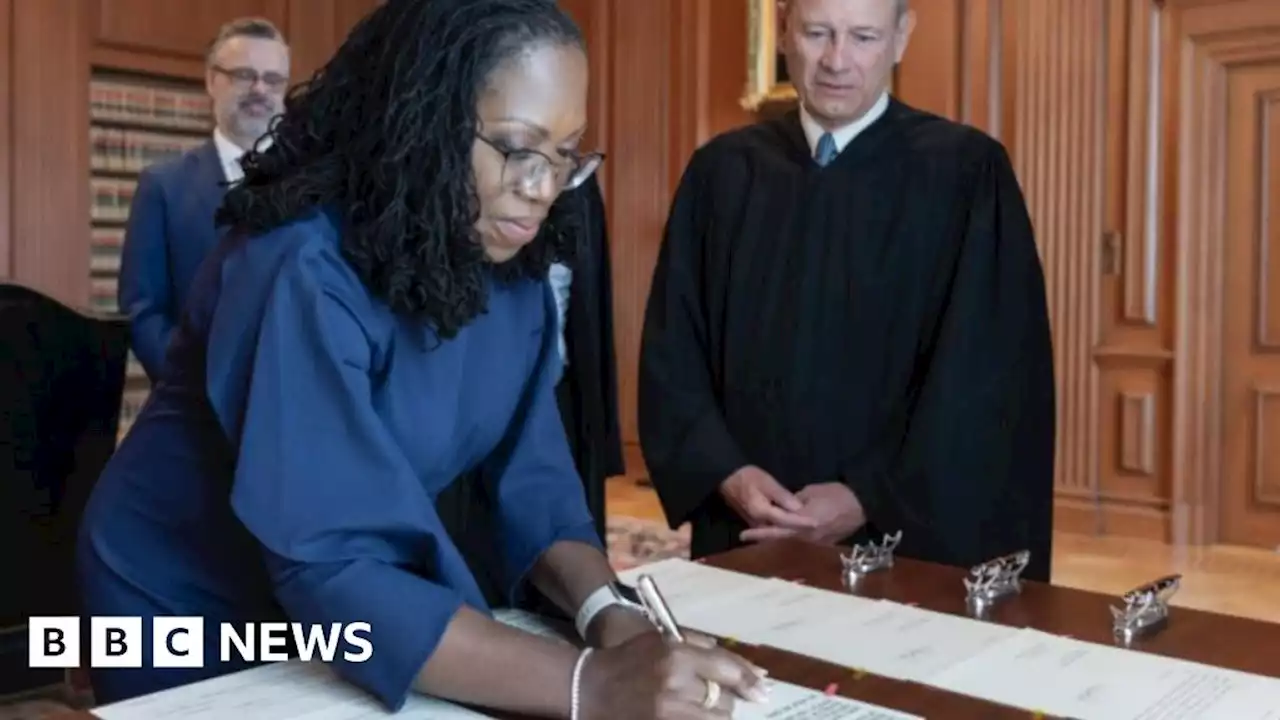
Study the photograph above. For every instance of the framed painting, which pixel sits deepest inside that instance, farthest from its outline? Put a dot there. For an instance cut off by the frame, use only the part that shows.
(767, 80)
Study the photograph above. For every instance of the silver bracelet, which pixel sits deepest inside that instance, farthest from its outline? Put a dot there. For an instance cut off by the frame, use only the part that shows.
(575, 696)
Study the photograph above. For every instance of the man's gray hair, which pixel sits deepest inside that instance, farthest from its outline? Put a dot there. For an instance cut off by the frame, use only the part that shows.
(900, 7)
(250, 27)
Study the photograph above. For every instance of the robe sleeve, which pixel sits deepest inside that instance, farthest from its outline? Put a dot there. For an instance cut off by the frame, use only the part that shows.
(968, 475)
(541, 500)
(687, 445)
(320, 482)
(612, 462)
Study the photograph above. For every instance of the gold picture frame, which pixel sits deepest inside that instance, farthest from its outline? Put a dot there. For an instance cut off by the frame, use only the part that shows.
(767, 81)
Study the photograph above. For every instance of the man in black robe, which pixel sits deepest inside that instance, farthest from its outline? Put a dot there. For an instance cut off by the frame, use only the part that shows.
(587, 395)
(847, 331)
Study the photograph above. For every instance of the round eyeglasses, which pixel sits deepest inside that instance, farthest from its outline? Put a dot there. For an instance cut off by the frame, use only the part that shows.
(529, 167)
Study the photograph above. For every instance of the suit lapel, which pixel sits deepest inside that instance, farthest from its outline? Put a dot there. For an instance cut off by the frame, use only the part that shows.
(212, 184)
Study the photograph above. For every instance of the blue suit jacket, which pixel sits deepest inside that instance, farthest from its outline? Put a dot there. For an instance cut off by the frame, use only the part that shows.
(170, 233)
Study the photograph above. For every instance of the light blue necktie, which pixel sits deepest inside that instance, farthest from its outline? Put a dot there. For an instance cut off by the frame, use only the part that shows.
(826, 150)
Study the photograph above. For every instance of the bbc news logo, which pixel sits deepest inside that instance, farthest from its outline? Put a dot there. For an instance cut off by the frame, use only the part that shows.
(179, 642)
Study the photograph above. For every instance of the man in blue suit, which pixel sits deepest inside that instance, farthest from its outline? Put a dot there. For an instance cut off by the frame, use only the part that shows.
(171, 227)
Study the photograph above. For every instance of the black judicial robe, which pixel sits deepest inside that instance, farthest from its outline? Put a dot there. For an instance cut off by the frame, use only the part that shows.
(588, 399)
(590, 384)
(880, 321)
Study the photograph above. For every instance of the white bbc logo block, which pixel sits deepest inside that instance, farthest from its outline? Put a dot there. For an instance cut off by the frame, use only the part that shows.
(53, 642)
(177, 642)
(115, 642)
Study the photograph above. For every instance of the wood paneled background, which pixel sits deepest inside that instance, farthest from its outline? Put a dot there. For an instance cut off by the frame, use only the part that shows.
(1142, 131)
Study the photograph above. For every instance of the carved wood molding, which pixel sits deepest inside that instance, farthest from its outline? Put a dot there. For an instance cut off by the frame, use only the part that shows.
(1211, 44)
(1184, 4)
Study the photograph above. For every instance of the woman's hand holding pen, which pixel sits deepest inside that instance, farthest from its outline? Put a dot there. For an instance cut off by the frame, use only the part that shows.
(652, 678)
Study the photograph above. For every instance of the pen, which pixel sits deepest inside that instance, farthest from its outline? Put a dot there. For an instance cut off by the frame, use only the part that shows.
(660, 614)
(658, 610)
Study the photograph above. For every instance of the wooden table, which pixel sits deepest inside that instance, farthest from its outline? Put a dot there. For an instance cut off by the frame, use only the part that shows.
(1209, 638)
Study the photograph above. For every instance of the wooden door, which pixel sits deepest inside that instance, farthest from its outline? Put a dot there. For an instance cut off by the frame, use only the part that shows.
(1225, 116)
(1251, 307)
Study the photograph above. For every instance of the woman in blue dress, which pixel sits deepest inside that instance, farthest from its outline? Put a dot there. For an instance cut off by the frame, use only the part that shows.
(377, 323)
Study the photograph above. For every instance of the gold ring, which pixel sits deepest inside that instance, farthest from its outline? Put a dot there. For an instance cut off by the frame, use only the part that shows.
(712, 696)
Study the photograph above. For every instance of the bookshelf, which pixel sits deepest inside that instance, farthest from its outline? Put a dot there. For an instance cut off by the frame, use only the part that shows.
(134, 121)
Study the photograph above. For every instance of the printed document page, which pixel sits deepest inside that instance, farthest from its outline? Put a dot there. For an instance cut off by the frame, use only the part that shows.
(279, 691)
(768, 609)
(1071, 678)
(687, 586)
(882, 637)
(541, 625)
(887, 638)
(792, 702)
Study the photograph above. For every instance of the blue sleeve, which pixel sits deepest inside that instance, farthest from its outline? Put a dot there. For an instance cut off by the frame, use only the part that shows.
(344, 522)
(143, 292)
(541, 499)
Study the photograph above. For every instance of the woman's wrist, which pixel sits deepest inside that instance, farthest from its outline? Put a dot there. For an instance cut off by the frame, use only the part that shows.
(616, 625)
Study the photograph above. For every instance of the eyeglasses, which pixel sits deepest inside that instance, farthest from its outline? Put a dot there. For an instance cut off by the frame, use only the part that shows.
(248, 77)
(529, 167)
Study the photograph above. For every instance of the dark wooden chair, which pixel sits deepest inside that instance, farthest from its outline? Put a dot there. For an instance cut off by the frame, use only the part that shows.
(62, 375)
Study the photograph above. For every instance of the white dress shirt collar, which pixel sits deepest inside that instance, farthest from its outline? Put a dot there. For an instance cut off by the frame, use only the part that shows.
(845, 135)
(229, 155)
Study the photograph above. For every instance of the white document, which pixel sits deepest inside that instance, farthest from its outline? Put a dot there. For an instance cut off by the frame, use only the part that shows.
(279, 691)
(687, 586)
(890, 639)
(537, 624)
(1071, 678)
(771, 611)
(792, 702)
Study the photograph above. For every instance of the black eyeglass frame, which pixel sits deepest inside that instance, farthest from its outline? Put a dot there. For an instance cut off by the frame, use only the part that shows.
(580, 168)
(248, 77)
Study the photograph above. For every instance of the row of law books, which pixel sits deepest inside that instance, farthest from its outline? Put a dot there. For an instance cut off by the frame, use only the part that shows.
(102, 294)
(119, 150)
(104, 250)
(157, 106)
(110, 198)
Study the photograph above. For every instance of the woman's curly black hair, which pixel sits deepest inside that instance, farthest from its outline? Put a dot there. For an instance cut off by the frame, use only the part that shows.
(383, 134)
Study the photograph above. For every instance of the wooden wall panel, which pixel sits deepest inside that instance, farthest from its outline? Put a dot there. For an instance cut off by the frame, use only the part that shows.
(7, 62)
(595, 19)
(155, 36)
(169, 37)
(316, 28)
(156, 27)
(314, 32)
(639, 168)
(49, 153)
(1059, 100)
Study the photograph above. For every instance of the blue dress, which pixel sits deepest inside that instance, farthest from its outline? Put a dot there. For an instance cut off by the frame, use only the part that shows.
(287, 463)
